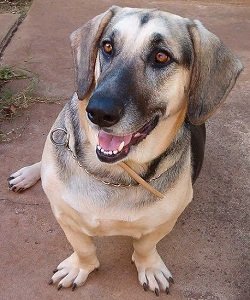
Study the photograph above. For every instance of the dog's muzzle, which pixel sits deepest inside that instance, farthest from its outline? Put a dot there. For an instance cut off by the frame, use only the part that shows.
(112, 148)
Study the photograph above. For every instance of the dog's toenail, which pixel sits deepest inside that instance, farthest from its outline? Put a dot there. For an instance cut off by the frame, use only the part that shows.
(10, 178)
(59, 287)
(167, 291)
(157, 292)
(171, 280)
(50, 282)
(74, 286)
(54, 271)
(10, 185)
(145, 286)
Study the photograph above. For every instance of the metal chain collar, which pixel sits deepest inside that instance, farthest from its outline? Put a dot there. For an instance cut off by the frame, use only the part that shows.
(66, 145)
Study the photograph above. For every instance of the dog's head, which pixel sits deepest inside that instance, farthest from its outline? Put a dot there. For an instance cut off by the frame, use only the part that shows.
(140, 73)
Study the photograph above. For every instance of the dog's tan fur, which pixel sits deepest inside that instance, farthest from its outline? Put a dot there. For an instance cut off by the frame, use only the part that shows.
(85, 207)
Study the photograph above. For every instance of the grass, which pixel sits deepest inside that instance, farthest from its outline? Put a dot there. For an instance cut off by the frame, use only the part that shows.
(8, 73)
(15, 6)
(11, 102)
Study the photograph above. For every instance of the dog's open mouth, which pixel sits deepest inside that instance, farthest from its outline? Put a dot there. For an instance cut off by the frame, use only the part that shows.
(112, 148)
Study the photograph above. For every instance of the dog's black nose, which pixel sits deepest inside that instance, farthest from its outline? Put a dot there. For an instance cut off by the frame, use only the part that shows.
(104, 112)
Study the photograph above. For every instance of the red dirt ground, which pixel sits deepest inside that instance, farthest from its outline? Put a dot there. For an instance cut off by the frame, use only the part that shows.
(207, 250)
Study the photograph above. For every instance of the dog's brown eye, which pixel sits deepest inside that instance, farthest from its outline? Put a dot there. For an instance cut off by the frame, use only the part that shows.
(107, 47)
(161, 57)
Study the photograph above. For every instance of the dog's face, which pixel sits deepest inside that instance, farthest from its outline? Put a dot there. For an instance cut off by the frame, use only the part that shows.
(139, 72)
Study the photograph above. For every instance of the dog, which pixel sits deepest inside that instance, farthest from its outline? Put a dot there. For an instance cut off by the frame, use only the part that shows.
(146, 82)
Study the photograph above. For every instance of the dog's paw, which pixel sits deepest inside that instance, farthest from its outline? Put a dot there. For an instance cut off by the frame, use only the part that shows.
(72, 273)
(24, 178)
(152, 273)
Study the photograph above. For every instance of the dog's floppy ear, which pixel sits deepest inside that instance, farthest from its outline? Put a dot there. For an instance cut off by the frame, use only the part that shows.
(215, 70)
(84, 43)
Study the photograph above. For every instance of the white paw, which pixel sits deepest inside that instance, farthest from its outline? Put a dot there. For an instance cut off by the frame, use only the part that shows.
(153, 273)
(24, 178)
(72, 273)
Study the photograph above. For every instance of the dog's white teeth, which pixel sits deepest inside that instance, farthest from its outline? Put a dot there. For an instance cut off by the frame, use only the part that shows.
(137, 134)
(108, 152)
(121, 146)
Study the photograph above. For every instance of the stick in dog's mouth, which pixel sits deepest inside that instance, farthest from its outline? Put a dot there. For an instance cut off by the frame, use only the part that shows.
(113, 148)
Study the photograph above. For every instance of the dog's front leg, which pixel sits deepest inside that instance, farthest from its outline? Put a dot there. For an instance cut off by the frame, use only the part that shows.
(152, 272)
(74, 270)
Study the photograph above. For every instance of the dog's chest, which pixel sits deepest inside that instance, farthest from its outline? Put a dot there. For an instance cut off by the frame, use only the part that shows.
(95, 209)
(105, 211)
(101, 223)
(99, 226)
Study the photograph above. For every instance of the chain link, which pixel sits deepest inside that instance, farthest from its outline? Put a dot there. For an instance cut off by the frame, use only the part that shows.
(66, 145)
(94, 176)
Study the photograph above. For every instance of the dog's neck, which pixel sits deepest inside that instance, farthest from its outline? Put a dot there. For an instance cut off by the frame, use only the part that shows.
(167, 161)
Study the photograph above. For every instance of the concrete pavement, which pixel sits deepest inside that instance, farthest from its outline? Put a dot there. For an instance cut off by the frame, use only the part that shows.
(207, 250)
(8, 24)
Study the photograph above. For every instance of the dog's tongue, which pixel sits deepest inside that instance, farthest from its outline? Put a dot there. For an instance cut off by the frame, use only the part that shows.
(112, 142)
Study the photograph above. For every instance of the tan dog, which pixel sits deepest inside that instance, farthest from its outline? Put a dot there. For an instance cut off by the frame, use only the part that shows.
(147, 81)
